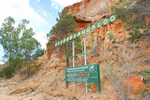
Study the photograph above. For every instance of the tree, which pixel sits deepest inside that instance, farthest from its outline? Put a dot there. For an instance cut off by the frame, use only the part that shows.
(8, 71)
(53, 38)
(30, 62)
(65, 26)
(19, 45)
(8, 36)
(39, 52)
(28, 46)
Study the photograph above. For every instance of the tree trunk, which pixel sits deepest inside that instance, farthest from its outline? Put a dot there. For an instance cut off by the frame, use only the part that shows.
(29, 69)
(67, 62)
(29, 72)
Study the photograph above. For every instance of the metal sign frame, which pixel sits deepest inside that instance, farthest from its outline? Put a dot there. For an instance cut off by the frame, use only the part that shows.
(85, 60)
(77, 35)
(82, 38)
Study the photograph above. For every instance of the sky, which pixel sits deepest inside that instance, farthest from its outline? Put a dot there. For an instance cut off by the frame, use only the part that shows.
(42, 15)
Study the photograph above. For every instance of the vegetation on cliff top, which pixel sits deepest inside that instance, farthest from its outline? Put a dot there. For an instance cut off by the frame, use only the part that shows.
(65, 26)
(134, 14)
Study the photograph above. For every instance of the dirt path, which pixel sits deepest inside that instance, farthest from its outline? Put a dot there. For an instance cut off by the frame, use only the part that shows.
(6, 87)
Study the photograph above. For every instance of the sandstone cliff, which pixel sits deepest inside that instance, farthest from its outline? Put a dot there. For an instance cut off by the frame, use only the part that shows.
(91, 8)
(88, 12)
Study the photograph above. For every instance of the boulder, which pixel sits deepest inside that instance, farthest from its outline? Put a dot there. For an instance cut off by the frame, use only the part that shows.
(136, 86)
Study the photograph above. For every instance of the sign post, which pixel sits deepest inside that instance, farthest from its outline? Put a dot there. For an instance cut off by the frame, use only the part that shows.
(73, 54)
(85, 61)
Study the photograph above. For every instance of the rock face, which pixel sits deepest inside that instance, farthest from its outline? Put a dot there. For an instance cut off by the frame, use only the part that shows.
(88, 11)
(47, 52)
(91, 8)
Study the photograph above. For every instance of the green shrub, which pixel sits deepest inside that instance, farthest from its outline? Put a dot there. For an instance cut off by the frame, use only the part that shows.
(1, 73)
(36, 65)
(89, 86)
(145, 73)
(8, 71)
(15, 62)
(63, 60)
(111, 35)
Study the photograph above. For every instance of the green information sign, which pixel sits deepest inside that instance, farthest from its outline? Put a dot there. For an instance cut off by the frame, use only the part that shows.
(87, 73)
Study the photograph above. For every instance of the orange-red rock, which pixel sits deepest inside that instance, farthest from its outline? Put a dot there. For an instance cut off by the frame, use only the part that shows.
(136, 85)
(94, 88)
